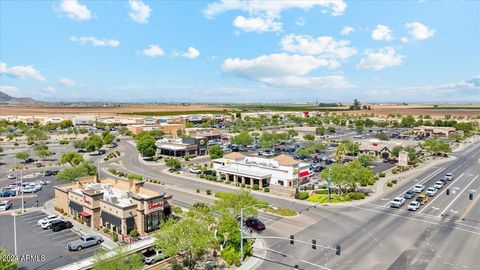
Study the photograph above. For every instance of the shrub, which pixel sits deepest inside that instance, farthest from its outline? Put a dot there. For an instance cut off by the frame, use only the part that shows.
(363, 184)
(371, 181)
(324, 198)
(322, 191)
(15, 143)
(302, 195)
(255, 187)
(198, 190)
(394, 181)
(394, 170)
(376, 178)
(356, 195)
(389, 184)
(115, 237)
(63, 142)
(231, 256)
(133, 233)
(134, 176)
(112, 170)
(38, 165)
(266, 189)
(177, 209)
(242, 185)
(382, 174)
(30, 142)
(208, 191)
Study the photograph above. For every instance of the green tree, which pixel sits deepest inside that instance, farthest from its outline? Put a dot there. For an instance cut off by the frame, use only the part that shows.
(309, 137)
(356, 105)
(6, 264)
(244, 138)
(382, 136)
(366, 160)
(36, 134)
(435, 146)
(120, 261)
(147, 147)
(43, 153)
(215, 151)
(73, 173)
(456, 137)
(23, 155)
(173, 163)
(193, 235)
(396, 150)
(320, 131)
(348, 175)
(108, 139)
(71, 157)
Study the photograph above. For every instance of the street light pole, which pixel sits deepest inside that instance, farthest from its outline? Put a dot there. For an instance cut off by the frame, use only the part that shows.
(15, 233)
(328, 182)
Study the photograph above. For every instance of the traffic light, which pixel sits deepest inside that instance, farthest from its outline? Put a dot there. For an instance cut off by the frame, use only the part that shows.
(339, 250)
(292, 239)
(470, 196)
(314, 244)
(447, 191)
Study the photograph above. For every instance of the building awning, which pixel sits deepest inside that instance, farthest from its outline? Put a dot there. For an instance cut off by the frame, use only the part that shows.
(251, 173)
(75, 206)
(85, 214)
(111, 219)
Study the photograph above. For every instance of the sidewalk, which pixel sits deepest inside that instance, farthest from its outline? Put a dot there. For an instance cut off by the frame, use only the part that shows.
(80, 228)
(259, 253)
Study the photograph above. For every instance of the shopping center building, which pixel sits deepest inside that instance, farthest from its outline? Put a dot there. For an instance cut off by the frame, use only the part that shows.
(121, 206)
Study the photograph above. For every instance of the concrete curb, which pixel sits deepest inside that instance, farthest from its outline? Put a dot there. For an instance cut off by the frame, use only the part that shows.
(259, 252)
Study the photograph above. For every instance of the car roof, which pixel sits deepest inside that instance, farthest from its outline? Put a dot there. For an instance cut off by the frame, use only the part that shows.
(57, 221)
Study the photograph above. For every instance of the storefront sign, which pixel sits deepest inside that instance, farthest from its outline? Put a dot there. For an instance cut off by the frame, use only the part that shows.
(87, 200)
(152, 206)
(403, 158)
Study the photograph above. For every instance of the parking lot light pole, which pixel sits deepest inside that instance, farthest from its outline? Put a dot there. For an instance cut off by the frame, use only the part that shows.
(241, 229)
(329, 180)
(15, 233)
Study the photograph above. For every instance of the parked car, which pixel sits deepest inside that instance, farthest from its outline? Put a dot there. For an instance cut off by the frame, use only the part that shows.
(81, 151)
(449, 176)
(59, 225)
(438, 185)
(255, 224)
(5, 205)
(413, 206)
(29, 189)
(422, 198)
(409, 194)
(418, 188)
(6, 192)
(431, 191)
(48, 173)
(85, 242)
(397, 202)
(11, 176)
(40, 182)
(195, 171)
(48, 219)
(152, 255)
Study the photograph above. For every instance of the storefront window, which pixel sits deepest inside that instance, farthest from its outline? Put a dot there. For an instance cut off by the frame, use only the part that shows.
(152, 221)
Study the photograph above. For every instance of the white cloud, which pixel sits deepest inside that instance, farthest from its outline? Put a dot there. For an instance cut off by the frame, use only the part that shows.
(257, 24)
(191, 53)
(21, 72)
(382, 32)
(300, 21)
(67, 82)
(95, 41)
(153, 51)
(472, 85)
(383, 58)
(74, 10)
(404, 40)
(323, 46)
(49, 90)
(139, 11)
(347, 30)
(272, 9)
(284, 70)
(9, 90)
(419, 31)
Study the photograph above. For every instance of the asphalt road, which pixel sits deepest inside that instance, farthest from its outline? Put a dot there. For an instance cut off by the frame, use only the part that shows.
(373, 235)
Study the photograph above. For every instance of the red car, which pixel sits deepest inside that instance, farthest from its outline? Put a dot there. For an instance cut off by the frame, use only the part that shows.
(255, 224)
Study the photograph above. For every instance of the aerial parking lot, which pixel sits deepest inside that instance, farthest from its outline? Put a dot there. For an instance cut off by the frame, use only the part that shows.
(47, 249)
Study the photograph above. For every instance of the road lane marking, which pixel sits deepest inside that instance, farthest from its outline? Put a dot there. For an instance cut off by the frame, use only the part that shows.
(458, 196)
(445, 188)
(428, 177)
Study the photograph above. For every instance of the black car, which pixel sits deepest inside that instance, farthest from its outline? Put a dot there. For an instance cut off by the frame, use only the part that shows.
(255, 224)
(59, 225)
(81, 151)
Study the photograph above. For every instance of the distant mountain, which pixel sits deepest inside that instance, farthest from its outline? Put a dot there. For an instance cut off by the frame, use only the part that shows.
(6, 99)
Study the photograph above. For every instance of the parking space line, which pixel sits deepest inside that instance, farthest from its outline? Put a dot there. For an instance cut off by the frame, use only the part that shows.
(32, 217)
(428, 177)
(60, 236)
(444, 188)
(458, 196)
(67, 239)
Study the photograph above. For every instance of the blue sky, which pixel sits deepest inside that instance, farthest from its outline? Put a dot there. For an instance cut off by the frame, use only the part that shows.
(241, 51)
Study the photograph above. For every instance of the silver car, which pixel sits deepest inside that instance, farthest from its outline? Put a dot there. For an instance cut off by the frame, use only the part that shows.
(85, 242)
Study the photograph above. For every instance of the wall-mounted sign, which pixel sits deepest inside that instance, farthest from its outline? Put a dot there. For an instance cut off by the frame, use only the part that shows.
(87, 200)
(152, 206)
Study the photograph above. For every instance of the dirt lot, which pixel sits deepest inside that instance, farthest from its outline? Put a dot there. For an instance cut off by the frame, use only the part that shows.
(468, 111)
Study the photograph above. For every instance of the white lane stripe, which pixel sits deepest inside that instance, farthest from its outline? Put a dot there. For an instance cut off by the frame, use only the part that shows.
(458, 196)
(420, 182)
(445, 188)
(407, 211)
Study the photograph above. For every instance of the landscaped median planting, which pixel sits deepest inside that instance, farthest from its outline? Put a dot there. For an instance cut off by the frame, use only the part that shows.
(112, 155)
(321, 196)
(264, 206)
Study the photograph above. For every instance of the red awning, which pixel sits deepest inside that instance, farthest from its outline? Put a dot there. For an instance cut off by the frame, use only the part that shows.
(85, 214)
(304, 173)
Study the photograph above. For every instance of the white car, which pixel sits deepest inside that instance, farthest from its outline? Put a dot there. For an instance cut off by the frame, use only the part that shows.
(431, 191)
(5, 205)
(29, 189)
(413, 206)
(449, 176)
(48, 219)
(438, 185)
(397, 202)
(195, 171)
(357, 136)
(11, 176)
(418, 188)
